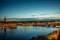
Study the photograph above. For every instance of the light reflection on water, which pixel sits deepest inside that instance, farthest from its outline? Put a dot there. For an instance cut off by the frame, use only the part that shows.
(25, 32)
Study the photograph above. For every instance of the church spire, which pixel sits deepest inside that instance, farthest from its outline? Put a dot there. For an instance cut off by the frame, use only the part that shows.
(4, 19)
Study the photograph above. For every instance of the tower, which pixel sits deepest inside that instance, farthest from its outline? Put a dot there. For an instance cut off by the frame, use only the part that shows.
(4, 19)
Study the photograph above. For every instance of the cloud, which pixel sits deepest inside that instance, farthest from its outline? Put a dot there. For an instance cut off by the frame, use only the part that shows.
(57, 13)
(42, 14)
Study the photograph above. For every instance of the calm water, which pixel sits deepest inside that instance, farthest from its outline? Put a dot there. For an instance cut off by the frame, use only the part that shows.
(24, 32)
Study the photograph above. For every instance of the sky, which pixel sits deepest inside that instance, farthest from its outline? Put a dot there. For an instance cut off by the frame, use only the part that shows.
(29, 8)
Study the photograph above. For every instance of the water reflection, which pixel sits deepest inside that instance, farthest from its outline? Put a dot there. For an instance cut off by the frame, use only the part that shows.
(24, 32)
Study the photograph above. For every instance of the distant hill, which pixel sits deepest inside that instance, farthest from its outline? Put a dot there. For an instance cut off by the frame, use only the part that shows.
(29, 19)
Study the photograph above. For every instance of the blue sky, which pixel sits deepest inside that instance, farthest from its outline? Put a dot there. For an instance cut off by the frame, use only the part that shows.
(28, 8)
